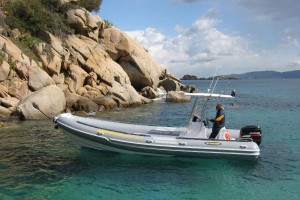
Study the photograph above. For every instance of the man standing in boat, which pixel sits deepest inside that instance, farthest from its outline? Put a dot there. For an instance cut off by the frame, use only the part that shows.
(219, 121)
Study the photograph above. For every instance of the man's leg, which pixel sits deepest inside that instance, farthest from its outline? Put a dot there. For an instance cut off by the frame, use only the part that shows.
(214, 134)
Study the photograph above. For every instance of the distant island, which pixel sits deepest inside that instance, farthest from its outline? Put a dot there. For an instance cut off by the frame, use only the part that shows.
(251, 75)
(192, 77)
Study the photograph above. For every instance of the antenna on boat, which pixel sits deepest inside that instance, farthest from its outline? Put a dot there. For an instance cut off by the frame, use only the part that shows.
(215, 85)
(210, 90)
(212, 80)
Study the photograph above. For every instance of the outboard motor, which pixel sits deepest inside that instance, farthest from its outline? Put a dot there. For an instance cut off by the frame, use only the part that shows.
(253, 132)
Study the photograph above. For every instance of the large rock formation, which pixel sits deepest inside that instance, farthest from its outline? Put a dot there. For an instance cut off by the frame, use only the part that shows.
(4, 71)
(85, 23)
(42, 104)
(134, 59)
(99, 67)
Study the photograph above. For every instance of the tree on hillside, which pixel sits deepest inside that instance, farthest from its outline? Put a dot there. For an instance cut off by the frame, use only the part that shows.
(36, 15)
(48, 15)
(90, 5)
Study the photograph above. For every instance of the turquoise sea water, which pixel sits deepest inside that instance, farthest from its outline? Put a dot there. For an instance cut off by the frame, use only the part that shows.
(38, 162)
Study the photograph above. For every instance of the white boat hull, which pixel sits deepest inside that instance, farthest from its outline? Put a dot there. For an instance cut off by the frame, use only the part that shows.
(151, 140)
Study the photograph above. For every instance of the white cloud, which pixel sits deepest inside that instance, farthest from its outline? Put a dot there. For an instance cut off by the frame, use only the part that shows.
(202, 47)
(212, 12)
(186, 1)
(204, 23)
(296, 63)
(196, 47)
(291, 38)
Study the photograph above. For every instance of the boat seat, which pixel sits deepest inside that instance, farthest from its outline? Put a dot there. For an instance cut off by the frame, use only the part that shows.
(197, 130)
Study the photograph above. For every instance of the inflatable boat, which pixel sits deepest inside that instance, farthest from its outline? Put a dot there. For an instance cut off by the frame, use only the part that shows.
(190, 141)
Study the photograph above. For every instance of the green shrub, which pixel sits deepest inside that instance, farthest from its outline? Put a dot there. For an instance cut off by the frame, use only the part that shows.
(1, 58)
(36, 15)
(90, 5)
(48, 15)
(107, 24)
(2, 22)
(25, 42)
(55, 6)
(28, 40)
(13, 66)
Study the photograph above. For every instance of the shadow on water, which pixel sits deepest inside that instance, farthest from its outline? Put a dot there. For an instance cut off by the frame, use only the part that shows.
(31, 153)
(104, 158)
(113, 164)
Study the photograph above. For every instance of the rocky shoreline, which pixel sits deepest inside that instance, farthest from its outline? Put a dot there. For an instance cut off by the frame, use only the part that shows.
(98, 67)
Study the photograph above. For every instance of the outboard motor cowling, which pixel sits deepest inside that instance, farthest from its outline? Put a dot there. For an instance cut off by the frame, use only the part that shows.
(253, 132)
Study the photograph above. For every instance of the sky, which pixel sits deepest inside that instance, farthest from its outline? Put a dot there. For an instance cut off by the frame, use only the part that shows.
(204, 37)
